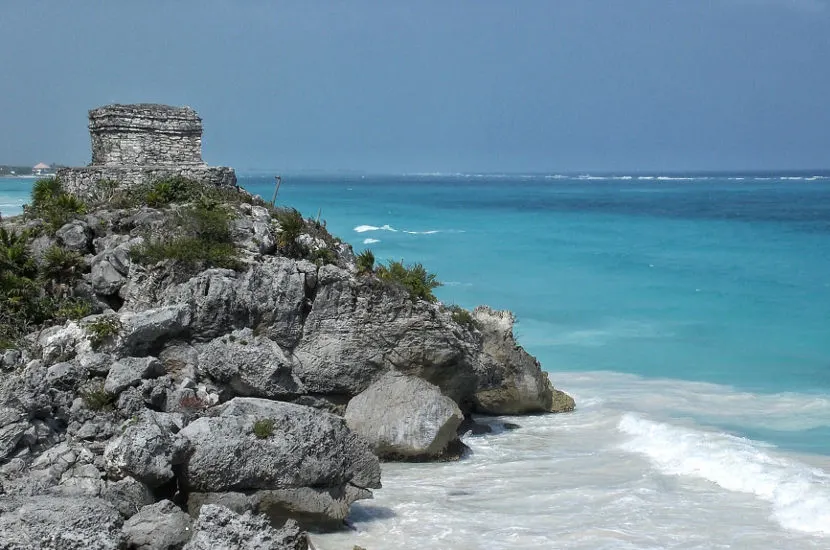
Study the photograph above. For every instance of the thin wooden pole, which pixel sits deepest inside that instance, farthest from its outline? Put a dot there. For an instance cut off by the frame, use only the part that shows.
(276, 189)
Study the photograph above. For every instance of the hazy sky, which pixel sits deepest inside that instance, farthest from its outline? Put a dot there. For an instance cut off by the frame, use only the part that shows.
(422, 86)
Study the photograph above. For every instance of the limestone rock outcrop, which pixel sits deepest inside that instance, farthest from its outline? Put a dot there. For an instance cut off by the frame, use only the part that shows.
(255, 397)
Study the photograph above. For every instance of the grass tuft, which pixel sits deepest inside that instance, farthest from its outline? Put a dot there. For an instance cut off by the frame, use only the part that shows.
(414, 278)
(264, 428)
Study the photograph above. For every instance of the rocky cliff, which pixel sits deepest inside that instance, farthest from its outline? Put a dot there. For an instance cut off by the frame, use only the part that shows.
(189, 367)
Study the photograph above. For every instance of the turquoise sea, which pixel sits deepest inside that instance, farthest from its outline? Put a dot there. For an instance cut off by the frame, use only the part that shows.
(688, 314)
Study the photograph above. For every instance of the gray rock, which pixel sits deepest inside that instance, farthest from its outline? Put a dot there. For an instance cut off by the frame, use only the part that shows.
(249, 365)
(105, 278)
(150, 329)
(65, 375)
(160, 526)
(75, 235)
(130, 371)
(127, 495)
(145, 219)
(147, 450)
(64, 523)
(61, 342)
(271, 294)
(13, 425)
(404, 417)
(357, 330)
(307, 448)
(254, 232)
(314, 509)
(511, 381)
(180, 360)
(219, 528)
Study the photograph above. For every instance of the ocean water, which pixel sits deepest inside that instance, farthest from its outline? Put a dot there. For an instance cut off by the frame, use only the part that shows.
(687, 314)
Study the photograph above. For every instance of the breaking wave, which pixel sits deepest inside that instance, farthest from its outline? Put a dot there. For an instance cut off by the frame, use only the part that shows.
(799, 494)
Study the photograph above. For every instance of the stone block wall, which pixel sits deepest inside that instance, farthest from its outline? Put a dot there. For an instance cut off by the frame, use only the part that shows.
(82, 181)
(143, 143)
(145, 134)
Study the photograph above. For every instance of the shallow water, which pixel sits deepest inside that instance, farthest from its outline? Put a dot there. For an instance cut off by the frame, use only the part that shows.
(630, 468)
(687, 315)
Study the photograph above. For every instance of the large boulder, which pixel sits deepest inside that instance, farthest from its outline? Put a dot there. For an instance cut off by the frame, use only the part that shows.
(219, 528)
(260, 445)
(147, 450)
(48, 522)
(511, 381)
(160, 526)
(75, 235)
(105, 278)
(404, 417)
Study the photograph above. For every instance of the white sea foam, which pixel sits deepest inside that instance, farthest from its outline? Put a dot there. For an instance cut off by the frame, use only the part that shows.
(370, 241)
(365, 228)
(621, 472)
(430, 232)
(800, 495)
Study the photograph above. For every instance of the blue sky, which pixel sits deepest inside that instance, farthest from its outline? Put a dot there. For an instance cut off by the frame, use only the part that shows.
(432, 86)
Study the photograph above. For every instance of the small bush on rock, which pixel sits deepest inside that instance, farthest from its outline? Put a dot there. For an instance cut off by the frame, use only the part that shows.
(462, 316)
(414, 278)
(199, 237)
(101, 330)
(264, 428)
(292, 226)
(50, 202)
(61, 265)
(365, 262)
(324, 256)
(174, 189)
(97, 399)
(29, 296)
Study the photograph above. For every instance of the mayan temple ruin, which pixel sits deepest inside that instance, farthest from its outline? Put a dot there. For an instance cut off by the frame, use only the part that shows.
(141, 143)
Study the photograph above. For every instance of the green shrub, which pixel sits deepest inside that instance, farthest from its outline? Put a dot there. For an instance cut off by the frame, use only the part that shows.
(103, 191)
(22, 301)
(462, 316)
(414, 278)
(292, 226)
(264, 428)
(324, 256)
(175, 189)
(50, 202)
(14, 254)
(199, 236)
(73, 309)
(365, 262)
(102, 329)
(44, 191)
(97, 399)
(61, 265)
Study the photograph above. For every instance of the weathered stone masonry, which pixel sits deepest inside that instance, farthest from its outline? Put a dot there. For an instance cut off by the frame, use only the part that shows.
(135, 144)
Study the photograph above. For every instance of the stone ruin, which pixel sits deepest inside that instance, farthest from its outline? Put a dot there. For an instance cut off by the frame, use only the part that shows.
(142, 143)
